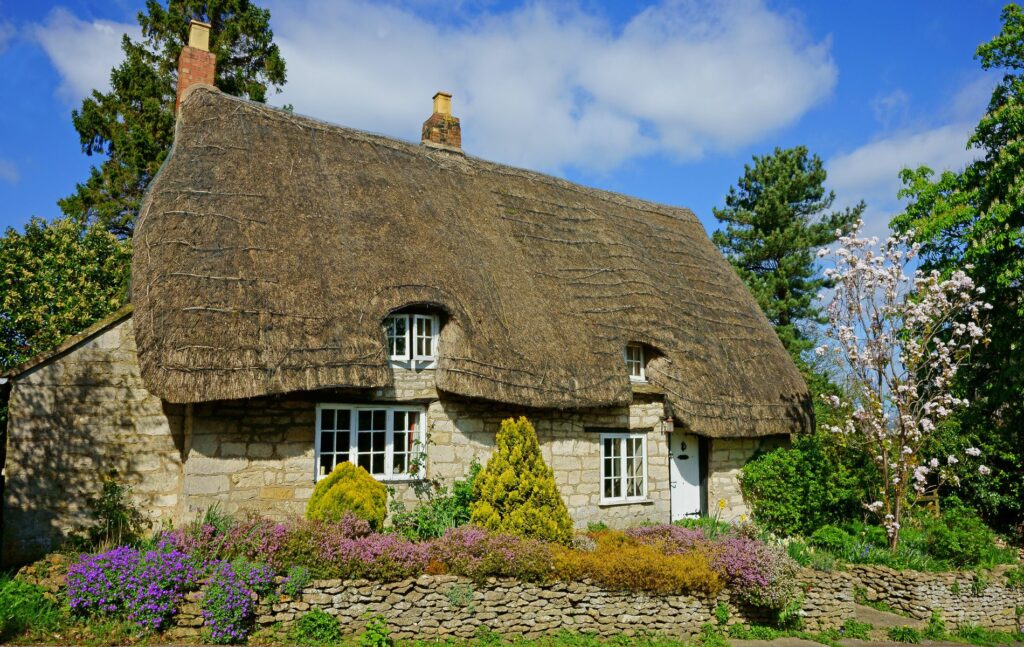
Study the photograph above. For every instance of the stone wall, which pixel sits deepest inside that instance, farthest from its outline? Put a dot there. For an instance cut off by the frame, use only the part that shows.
(726, 457)
(74, 420)
(440, 606)
(961, 598)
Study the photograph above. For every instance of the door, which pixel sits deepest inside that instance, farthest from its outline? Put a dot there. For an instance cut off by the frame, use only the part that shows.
(684, 475)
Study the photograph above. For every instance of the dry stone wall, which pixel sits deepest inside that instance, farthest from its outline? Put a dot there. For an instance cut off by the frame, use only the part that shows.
(441, 606)
(961, 598)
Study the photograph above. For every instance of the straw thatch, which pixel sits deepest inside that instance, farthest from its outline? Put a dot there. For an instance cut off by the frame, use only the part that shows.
(271, 247)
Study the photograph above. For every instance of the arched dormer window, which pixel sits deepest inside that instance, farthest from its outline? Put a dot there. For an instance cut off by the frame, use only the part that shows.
(412, 338)
(636, 362)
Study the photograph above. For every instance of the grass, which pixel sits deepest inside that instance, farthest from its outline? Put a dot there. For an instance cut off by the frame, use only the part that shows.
(24, 608)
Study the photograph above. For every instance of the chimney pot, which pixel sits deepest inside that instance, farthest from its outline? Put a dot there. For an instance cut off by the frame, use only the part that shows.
(199, 35)
(441, 129)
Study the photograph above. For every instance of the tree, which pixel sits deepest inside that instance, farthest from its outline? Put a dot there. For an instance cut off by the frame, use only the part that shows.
(132, 125)
(902, 350)
(516, 492)
(776, 217)
(973, 221)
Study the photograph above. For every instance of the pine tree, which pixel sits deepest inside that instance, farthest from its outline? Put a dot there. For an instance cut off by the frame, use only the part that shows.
(776, 217)
(516, 492)
(132, 125)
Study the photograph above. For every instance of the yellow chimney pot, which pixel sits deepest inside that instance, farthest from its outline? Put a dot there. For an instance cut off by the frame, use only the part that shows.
(442, 103)
(199, 35)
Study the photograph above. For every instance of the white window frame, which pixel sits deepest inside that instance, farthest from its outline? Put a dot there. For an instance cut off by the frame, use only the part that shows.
(638, 361)
(620, 438)
(417, 452)
(412, 358)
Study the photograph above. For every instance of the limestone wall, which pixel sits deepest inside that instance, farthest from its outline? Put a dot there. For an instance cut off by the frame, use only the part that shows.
(726, 457)
(259, 454)
(440, 607)
(74, 420)
(960, 597)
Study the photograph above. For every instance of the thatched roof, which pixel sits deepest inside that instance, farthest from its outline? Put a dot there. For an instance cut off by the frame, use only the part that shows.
(271, 247)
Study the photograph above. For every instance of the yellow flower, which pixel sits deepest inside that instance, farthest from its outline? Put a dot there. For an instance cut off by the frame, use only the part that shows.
(721, 504)
(743, 518)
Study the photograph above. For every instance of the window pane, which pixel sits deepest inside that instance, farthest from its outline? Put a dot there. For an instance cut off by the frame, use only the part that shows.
(400, 438)
(400, 462)
(378, 464)
(363, 441)
(344, 422)
(327, 442)
(380, 440)
(327, 418)
(364, 462)
(341, 443)
(326, 464)
(365, 420)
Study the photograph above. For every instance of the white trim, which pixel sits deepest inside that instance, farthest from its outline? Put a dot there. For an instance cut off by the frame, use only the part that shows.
(640, 361)
(620, 438)
(419, 443)
(411, 358)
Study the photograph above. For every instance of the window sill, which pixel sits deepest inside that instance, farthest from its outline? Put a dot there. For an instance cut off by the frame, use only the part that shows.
(606, 503)
(413, 365)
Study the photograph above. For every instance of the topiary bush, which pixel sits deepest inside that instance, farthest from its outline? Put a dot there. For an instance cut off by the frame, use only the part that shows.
(516, 492)
(349, 489)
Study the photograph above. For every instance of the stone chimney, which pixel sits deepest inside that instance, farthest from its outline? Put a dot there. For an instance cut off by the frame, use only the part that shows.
(196, 63)
(442, 130)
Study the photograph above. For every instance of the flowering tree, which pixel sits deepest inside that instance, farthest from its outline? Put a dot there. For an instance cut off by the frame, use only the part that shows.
(901, 341)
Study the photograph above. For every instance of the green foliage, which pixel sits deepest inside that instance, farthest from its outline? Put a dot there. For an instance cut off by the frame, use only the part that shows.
(809, 557)
(315, 627)
(987, 637)
(297, 578)
(438, 509)
(56, 278)
(794, 491)
(25, 607)
(132, 125)
(376, 634)
(516, 493)
(904, 635)
(936, 629)
(962, 539)
(116, 521)
(856, 630)
(460, 596)
(711, 526)
(1015, 577)
(349, 488)
(973, 220)
(722, 614)
(710, 636)
(775, 218)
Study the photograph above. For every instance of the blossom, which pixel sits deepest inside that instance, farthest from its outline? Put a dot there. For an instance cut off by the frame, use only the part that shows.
(984, 470)
(972, 451)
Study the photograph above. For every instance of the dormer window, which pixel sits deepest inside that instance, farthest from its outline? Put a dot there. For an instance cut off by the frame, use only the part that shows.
(412, 339)
(635, 363)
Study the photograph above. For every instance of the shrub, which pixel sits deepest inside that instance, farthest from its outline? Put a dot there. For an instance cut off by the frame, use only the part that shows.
(379, 557)
(670, 538)
(376, 634)
(146, 587)
(473, 552)
(315, 628)
(962, 539)
(794, 491)
(438, 509)
(620, 562)
(760, 574)
(835, 540)
(116, 521)
(516, 493)
(349, 489)
(25, 607)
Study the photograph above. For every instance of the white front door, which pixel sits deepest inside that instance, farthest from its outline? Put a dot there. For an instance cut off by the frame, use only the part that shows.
(684, 475)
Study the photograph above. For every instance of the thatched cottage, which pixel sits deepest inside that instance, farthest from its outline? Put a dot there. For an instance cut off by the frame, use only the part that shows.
(304, 294)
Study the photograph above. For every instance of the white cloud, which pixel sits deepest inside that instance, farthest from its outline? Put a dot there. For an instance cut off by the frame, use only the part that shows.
(6, 35)
(871, 172)
(8, 171)
(549, 87)
(83, 52)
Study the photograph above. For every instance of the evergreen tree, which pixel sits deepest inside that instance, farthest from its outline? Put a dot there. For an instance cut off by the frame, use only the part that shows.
(132, 125)
(973, 221)
(516, 492)
(775, 219)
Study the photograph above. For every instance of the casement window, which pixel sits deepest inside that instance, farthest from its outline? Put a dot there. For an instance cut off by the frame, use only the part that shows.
(635, 362)
(412, 339)
(623, 467)
(387, 441)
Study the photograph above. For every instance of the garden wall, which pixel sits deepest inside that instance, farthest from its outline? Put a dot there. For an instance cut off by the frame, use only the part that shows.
(444, 606)
(961, 598)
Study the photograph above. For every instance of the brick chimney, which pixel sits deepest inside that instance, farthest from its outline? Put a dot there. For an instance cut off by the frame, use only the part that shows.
(442, 130)
(196, 63)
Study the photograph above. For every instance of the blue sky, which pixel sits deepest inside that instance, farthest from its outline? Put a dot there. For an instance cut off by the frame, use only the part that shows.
(662, 100)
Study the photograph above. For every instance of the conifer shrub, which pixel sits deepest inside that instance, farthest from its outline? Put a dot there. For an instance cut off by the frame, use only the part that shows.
(516, 492)
(349, 489)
